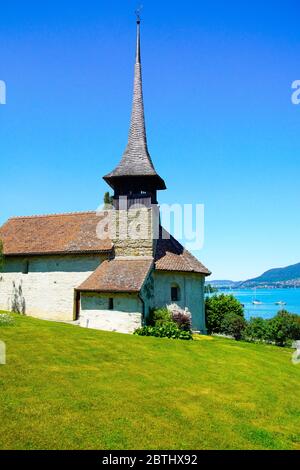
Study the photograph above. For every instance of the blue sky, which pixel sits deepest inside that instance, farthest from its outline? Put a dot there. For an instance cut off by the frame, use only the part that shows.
(221, 126)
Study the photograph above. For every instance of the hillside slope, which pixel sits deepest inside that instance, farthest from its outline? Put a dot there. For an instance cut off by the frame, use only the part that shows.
(277, 275)
(70, 388)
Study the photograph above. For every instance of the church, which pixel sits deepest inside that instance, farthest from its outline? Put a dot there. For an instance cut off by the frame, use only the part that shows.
(60, 267)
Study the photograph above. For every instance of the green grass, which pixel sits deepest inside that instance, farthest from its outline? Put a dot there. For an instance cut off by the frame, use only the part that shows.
(70, 388)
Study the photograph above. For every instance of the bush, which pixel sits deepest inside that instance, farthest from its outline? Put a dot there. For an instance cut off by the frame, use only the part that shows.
(168, 330)
(217, 308)
(171, 322)
(6, 320)
(183, 320)
(233, 325)
(283, 328)
(159, 317)
(181, 317)
(256, 330)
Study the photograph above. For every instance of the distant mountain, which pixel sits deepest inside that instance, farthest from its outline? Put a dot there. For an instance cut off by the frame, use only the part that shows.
(278, 277)
(225, 284)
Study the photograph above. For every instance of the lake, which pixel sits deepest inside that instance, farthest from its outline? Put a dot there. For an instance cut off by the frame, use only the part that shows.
(268, 297)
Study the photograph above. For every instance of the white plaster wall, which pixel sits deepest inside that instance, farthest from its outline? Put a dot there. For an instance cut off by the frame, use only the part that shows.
(47, 291)
(125, 318)
(192, 294)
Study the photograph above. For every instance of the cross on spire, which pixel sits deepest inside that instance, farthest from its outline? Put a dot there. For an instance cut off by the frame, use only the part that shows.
(138, 13)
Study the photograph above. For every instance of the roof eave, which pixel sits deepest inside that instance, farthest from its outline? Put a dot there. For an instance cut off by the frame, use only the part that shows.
(182, 271)
(158, 182)
(107, 291)
(59, 253)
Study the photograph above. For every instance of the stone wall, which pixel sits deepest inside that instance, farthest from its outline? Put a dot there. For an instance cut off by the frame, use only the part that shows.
(133, 231)
(191, 294)
(125, 318)
(47, 291)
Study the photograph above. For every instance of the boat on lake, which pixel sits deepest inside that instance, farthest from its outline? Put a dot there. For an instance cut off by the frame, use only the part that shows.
(281, 303)
(255, 301)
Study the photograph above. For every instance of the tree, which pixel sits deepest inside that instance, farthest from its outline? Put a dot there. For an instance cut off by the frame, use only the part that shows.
(216, 309)
(283, 328)
(209, 289)
(233, 325)
(257, 329)
(108, 199)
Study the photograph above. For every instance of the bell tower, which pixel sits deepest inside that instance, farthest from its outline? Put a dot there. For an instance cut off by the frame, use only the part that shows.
(135, 181)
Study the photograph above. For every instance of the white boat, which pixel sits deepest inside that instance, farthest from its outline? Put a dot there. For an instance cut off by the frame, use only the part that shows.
(255, 301)
(280, 303)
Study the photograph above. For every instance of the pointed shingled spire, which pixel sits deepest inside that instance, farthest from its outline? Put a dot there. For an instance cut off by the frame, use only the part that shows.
(136, 160)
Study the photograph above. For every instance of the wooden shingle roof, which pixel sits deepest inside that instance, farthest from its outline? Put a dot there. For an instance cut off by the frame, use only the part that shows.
(53, 234)
(76, 233)
(118, 275)
(136, 160)
(172, 256)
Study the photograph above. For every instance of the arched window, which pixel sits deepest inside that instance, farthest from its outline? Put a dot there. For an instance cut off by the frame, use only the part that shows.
(175, 293)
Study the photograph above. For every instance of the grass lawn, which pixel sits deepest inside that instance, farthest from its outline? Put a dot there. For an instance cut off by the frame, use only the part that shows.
(70, 388)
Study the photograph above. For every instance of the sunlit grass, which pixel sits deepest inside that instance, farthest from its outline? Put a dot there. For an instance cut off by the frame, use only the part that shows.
(70, 388)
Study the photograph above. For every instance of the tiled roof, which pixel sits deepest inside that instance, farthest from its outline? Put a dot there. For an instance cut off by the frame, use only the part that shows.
(76, 233)
(136, 160)
(53, 234)
(118, 275)
(172, 256)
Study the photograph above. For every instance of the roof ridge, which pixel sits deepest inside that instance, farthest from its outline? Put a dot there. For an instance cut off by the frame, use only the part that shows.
(57, 214)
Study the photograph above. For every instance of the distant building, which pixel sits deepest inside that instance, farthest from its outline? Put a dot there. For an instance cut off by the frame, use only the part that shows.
(57, 267)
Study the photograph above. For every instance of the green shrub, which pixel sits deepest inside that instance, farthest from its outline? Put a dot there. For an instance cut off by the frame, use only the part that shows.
(159, 316)
(233, 325)
(167, 330)
(283, 328)
(170, 316)
(256, 330)
(217, 308)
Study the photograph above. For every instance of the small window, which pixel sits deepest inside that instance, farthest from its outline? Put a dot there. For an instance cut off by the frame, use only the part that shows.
(26, 267)
(175, 293)
(110, 304)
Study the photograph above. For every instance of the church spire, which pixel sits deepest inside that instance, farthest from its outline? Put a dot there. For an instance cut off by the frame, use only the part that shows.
(136, 161)
(137, 139)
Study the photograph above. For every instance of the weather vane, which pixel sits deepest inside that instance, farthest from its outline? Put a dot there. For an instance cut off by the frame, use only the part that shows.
(138, 12)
